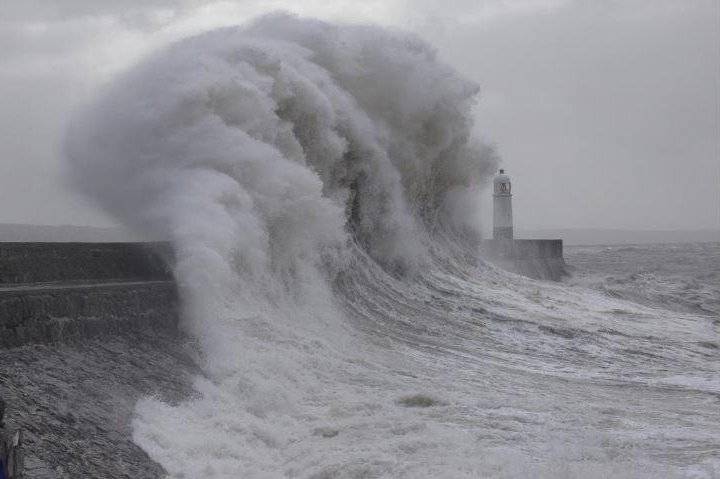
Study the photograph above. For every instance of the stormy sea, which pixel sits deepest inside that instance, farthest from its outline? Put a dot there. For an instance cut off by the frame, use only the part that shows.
(320, 185)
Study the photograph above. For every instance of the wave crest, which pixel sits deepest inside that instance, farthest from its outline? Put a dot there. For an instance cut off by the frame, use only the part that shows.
(274, 155)
(276, 139)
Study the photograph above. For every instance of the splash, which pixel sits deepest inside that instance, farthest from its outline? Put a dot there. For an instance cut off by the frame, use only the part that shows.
(277, 157)
(294, 132)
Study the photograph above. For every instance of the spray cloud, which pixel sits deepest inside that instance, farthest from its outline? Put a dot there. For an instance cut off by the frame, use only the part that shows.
(267, 154)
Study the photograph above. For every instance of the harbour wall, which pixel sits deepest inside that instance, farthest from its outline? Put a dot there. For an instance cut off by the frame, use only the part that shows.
(33, 263)
(58, 292)
(535, 258)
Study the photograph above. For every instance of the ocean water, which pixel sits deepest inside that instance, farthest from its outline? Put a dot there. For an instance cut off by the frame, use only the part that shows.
(320, 184)
(682, 277)
(468, 371)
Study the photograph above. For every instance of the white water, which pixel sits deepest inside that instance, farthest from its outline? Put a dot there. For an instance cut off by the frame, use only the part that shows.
(319, 184)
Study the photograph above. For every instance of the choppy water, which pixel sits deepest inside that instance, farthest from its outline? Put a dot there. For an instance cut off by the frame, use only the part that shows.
(472, 372)
(320, 184)
(679, 277)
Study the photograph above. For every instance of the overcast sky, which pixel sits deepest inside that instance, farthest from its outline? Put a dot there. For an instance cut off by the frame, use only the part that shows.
(606, 112)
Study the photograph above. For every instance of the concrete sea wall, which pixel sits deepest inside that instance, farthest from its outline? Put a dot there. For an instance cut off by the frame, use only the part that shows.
(52, 292)
(539, 259)
(55, 314)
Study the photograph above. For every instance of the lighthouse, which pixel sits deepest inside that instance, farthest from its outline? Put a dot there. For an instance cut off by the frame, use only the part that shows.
(535, 258)
(502, 207)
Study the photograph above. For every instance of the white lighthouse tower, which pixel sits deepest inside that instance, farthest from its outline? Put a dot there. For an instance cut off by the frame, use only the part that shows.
(535, 258)
(502, 207)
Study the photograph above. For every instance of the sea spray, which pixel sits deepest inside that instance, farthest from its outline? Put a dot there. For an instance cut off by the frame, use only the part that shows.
(271, 155)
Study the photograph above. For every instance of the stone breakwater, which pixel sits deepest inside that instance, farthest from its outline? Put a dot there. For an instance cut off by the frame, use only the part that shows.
(86, 329)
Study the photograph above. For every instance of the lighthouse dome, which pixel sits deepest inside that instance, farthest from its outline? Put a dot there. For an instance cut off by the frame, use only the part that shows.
(501, 183)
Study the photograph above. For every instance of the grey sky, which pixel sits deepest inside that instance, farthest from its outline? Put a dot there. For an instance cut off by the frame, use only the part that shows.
(606, 113)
